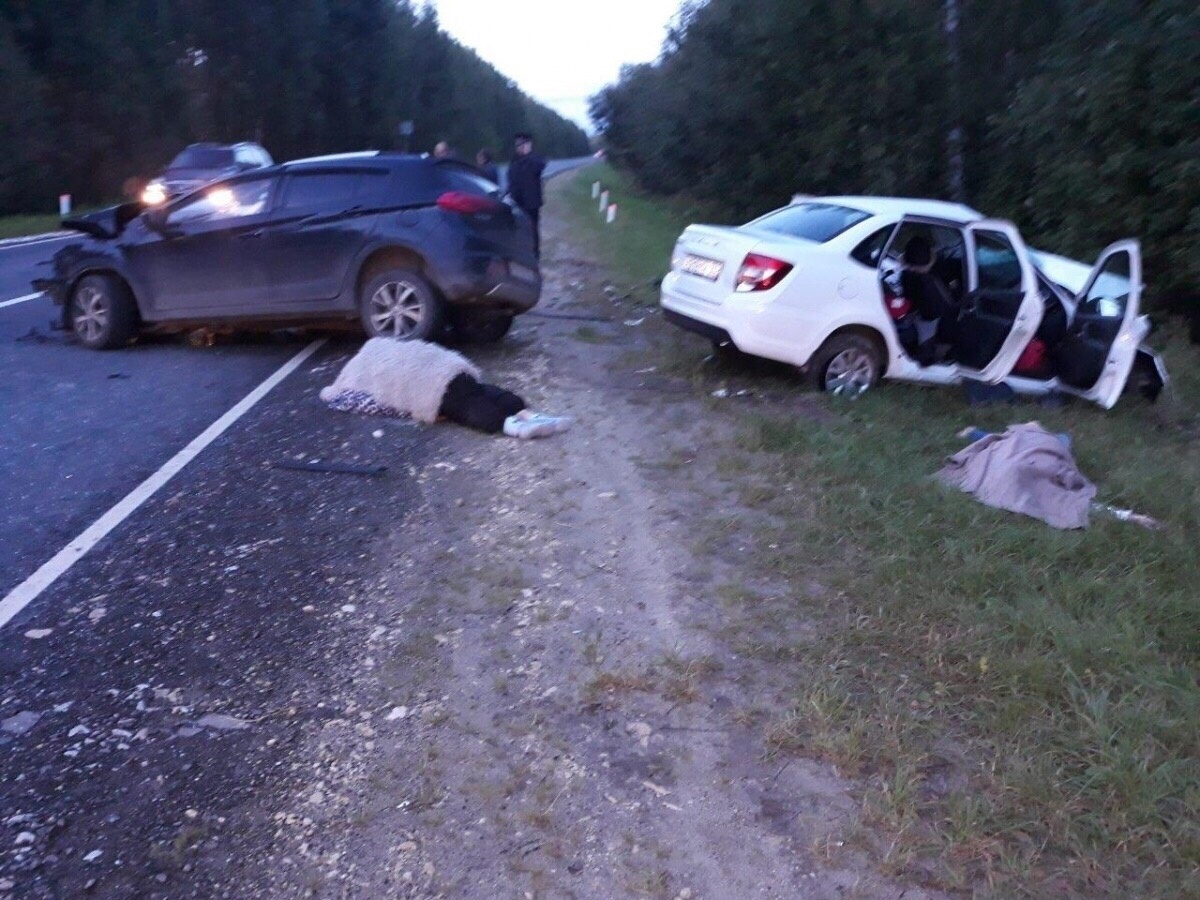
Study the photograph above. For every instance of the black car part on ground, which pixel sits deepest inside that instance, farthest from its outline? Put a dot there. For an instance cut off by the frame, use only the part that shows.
(400, 244)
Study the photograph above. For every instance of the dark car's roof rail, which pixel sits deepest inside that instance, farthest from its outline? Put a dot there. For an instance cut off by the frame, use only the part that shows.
(335, 157)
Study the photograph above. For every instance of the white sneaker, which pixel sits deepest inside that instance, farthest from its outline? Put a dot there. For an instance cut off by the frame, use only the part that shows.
(527, 425)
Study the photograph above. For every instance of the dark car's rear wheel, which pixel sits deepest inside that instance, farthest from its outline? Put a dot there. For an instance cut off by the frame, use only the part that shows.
(847, 364)
(400, 304)
(481, 328)
(103, 314)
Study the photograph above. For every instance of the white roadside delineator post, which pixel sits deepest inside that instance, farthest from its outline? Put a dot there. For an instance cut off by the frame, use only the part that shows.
(603, 201)
(595, 189)
(612, 213)
(64, 204)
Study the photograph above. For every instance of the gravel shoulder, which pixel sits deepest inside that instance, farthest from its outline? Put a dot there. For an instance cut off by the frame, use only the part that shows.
(553, 703)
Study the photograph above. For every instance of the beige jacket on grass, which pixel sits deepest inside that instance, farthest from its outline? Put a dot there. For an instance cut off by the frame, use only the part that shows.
(407, 376)
(1025, 470)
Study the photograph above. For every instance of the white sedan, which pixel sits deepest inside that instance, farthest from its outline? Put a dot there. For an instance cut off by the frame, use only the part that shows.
(818, 284)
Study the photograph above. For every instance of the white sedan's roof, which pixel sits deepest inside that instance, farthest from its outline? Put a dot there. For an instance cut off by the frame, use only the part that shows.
(903, 206)
(1070, 273)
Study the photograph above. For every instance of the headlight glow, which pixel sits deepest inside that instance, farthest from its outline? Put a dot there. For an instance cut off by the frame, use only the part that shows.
(222, 198)
(154, 194)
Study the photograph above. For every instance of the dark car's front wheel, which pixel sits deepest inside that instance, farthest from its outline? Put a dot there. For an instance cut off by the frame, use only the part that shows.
(399, 303)
(103, 314)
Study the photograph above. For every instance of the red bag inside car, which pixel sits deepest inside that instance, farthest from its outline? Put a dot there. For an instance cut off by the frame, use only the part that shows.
(1034, 361)
(897, 307)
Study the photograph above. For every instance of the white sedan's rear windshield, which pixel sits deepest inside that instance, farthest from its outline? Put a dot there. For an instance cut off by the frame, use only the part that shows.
(817, 222)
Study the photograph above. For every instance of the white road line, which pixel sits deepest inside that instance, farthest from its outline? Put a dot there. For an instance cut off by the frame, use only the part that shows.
(28, 590)
(17, 300)
(17, 243)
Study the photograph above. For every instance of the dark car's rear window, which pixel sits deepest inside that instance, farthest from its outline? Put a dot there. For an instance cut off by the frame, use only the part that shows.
(459, 178)
(818, 222)
(203, 158)
(312, 190)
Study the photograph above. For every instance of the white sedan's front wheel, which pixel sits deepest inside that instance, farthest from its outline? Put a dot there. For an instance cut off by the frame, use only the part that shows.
(847, 364)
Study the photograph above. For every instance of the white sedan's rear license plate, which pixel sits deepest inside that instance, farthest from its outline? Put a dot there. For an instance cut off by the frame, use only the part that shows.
(702, 267)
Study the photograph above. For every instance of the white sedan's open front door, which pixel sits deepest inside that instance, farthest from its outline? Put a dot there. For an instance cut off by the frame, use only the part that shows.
(1002, 307)
(1096, 356)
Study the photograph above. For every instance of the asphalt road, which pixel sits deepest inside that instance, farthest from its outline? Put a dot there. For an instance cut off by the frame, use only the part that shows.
(79, 429)
(21, 263)
(211, 599)
(147, 692)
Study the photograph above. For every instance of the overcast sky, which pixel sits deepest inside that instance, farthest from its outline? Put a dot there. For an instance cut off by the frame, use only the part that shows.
(560, 52)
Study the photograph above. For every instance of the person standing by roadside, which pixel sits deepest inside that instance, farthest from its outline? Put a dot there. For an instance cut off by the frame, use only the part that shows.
(525, 183)
(483, 161)
(442, 150)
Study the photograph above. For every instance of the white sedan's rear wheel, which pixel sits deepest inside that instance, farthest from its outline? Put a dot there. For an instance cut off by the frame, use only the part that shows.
(847, 364)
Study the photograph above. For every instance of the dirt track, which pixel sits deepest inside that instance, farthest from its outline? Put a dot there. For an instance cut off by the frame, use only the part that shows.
(539, 699)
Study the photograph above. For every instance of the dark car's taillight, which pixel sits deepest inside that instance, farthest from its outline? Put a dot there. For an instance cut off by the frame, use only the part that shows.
(761, 273)
(468, 204)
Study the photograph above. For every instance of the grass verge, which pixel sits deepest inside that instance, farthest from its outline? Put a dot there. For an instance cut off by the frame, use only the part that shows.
(637, 246)
(1020, 705)
(23, 226)
(1021, 701)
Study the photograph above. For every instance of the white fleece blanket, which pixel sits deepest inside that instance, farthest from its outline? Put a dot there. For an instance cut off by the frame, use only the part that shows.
(407, 377)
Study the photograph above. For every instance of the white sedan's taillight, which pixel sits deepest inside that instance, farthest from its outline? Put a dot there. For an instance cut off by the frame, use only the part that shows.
(760, 273)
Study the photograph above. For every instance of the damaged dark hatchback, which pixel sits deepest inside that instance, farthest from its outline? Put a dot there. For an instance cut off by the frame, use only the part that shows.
(403, 246)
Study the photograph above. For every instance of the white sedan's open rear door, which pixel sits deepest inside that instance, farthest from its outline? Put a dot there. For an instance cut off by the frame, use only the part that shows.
(1002, 307)
(1097, 355)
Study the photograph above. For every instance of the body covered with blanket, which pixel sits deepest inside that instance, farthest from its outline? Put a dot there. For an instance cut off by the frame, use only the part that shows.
(429, 382)
(1025, 470)
(402, 377)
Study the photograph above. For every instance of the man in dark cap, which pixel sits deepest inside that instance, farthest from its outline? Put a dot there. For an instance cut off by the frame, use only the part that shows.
(525, 182)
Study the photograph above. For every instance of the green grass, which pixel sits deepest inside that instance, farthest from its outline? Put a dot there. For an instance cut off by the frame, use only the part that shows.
(1053, 674)
(1021, 705)
(21, 226)
(637, 246)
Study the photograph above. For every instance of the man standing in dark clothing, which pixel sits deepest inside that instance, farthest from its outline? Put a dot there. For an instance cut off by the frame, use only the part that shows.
(525, 183)
(483, 162)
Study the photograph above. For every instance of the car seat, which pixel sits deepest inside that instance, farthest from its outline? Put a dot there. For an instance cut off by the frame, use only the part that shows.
(931, 299)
